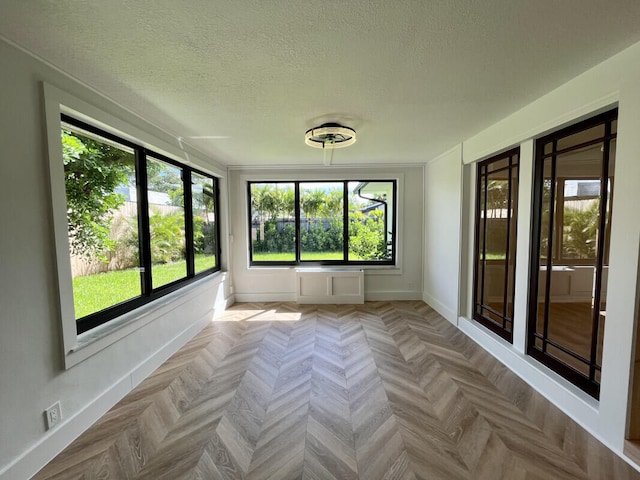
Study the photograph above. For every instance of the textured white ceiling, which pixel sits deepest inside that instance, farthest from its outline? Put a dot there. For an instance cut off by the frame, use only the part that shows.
(242, 80)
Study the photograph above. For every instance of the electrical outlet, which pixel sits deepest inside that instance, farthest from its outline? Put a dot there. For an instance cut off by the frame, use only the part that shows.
(53, 415)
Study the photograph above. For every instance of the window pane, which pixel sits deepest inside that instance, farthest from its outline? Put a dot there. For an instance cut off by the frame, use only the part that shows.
(313, 229)
(166, 222)
(204, 222)
(571, 274)
(500, 164)
(273, 231)
(496, 219)
(580, 217)
(545, 207)
(581, 137)
(480, 242)
(321, 221)
(102, 218)
(370, 220)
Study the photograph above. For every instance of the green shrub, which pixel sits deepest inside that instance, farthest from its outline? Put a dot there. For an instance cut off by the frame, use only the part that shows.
(167, 237)
(366, 235)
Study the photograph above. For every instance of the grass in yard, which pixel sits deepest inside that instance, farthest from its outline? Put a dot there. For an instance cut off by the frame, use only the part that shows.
(308, 256)
(274, 257)
(204, 262)
(291, 257)
(92, 293)
(495, 256)
(321, 256)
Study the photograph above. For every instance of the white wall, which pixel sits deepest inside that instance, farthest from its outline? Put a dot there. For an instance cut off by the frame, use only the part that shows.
(278, 284)
(32, 373)
(443, 192)
(616, 81)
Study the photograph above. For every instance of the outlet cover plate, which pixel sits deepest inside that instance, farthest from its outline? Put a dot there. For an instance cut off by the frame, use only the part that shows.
(53, 415)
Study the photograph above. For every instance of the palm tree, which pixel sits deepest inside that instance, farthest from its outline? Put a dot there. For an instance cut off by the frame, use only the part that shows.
(263, 201)
(333, 204)
(311, 202)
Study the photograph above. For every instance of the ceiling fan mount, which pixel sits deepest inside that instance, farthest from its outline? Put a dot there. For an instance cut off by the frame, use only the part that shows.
(330, 135)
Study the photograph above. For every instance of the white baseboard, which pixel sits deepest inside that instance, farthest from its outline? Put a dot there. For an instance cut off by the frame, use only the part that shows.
(391, 296)
(291, 297)
(55, 440)
(441, 308)
(265, 297)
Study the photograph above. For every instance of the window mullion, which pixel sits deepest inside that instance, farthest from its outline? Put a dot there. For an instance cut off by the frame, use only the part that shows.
(144, 234)
(485, 209)
(188, 221)
(551, 240)
(216, 210)
(507, 257)
(296, 189)
(345, 221)
(476, 240)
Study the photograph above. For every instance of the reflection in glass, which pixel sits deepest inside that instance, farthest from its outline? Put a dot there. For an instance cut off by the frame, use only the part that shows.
(496, 219)
(573, 236)
(581, 137)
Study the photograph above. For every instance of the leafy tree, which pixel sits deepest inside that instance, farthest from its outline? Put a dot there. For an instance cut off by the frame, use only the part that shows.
(580, 232)
(162, 177)
(93, 170)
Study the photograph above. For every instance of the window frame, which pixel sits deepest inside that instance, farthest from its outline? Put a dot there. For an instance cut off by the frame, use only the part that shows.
(588, 384)
(511, 242)
(148, 293)
(297, 218)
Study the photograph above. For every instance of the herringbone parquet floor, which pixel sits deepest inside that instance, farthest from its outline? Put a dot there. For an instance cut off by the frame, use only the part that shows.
(385, 390)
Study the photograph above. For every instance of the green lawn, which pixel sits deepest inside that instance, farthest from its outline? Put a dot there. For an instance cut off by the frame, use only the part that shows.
(495, 256)
(308, 256)
(291, 257)
(93, 293)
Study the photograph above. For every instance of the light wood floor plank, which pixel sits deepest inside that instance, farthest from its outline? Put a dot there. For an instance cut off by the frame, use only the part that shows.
(385, 390)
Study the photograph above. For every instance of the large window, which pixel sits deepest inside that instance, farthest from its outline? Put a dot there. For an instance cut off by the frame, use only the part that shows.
(574, 176)
(322, 222)
(140, 225)
(495, 242)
